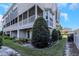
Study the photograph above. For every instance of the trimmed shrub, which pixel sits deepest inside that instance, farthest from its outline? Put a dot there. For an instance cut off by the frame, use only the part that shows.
(18, 41)
(0, 42)
(29, 40)
(40, 33)
(8, 37)
(55, 35)
(22, 40)
(60, 36)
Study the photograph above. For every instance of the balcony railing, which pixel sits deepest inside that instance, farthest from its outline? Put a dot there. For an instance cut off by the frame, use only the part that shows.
(26, 21)
(29, 20)
(40, 15)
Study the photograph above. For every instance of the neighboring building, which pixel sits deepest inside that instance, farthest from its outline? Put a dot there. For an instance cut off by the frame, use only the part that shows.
(19, 19)
(76, 38)
(65, 32)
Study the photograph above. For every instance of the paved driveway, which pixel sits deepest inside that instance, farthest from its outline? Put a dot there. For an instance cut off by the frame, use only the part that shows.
(71, 49)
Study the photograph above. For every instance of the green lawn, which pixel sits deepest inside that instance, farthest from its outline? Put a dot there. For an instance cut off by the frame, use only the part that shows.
(56, 50)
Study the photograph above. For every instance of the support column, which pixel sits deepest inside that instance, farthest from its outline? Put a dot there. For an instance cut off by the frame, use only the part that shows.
(36, 11)
(27, 16)
(18, 21)
(10, 34)
(18, 28)
(22, 19)
(44, 14)
(17, 33)
(54, 22)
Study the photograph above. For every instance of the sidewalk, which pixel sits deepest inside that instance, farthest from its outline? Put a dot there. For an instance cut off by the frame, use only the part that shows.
(71, 49)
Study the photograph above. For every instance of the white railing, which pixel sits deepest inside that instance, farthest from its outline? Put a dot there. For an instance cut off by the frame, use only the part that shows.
(29, 20)
(40, 15)
(25, 21)
(20, 23)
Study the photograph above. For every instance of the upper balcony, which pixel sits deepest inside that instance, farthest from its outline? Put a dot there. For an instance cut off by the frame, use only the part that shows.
(25, 20)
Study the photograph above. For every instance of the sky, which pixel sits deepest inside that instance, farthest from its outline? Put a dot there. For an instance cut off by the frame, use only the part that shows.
(3, 9)
(69, 14)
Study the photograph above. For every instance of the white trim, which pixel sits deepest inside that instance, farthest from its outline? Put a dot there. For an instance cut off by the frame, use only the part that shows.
(36, 11)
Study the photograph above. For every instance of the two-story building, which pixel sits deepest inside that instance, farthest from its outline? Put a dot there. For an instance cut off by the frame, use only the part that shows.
(19, 19)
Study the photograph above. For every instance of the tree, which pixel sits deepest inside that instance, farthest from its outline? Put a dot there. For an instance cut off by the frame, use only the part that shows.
(55, 35)
(60, 36)
(40, 33)
(59, 27)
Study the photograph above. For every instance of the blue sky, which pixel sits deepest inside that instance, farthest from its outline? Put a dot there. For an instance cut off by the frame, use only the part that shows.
(3, 9)
(69, 14)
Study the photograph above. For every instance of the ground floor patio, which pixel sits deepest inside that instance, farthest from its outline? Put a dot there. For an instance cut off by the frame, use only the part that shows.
(22, 33)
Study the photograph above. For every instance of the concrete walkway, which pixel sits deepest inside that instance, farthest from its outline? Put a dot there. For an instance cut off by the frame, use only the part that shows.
(71, 49)
(7, 51)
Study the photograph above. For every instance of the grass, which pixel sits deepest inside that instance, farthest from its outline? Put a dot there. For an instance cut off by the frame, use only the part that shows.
(56, 50)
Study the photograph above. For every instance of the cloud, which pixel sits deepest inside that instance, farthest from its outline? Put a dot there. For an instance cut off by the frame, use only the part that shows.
(74, 6)
(65, 15)
(71, 6)
(62, 4)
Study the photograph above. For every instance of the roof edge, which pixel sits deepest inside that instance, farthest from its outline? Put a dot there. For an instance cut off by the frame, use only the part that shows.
(8, 10)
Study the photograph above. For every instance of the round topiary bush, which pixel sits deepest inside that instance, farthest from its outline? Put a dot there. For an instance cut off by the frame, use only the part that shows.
(55, 35)
(40, 33)
(0, 42)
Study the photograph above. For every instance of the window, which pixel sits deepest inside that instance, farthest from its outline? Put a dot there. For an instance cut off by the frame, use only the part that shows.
(51, 22)
(32, 11)
(46, 17)
(25, 15)
(46, 14)
(8, 24)
(14, 13)
(4, 26)
(15, 20)
(7, 19)
(51, 19)
(11, 22)
(20, 17)
(39, 11)
(28, 34)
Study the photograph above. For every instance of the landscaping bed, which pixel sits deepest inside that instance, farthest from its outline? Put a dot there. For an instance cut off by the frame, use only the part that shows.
(55, 50)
